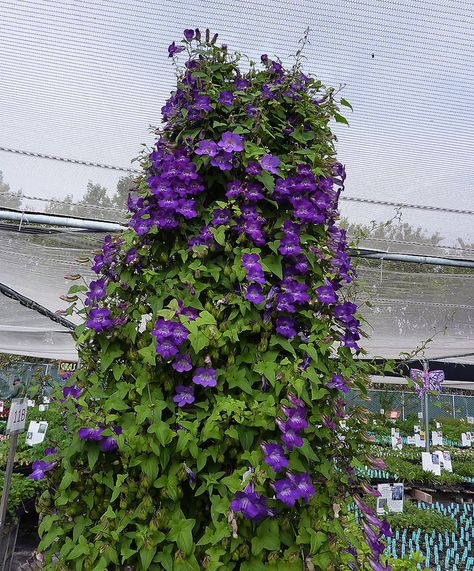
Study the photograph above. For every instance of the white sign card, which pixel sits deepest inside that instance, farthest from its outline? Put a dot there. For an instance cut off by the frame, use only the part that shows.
(391, 498)
(43, 407)
(431, 463)
(416, 428)
(382, 411)
(470, 419)
(397, 443)
(394, 432)
(438, 425)
(36, 432)
(411, 440)
(420, 416)
(420, 440)
(447, 465)
(17, 416)
(1, 406)
(31, 403)
(466, 439)
(437, 438)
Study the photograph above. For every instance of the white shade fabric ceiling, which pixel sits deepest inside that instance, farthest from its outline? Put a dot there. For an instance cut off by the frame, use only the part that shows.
(85, 80)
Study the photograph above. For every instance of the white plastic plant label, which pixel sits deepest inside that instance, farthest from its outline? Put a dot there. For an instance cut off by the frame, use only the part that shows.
(36, 432)
(431, 463)
(437, 438)
(17, 416)
(397, 442)
(1, 406)
(390, 499)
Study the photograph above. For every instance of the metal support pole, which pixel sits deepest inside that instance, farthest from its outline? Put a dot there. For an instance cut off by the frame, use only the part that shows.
(403, 406)
(426, 413)
(6, 483)
(454, 408)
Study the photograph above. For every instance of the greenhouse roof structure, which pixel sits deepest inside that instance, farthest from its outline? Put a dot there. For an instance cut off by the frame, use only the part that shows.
(82, 88)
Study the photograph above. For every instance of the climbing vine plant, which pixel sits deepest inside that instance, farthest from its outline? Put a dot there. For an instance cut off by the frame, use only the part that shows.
(218, 344)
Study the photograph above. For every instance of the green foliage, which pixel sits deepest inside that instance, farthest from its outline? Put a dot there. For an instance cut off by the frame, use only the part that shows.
(138, 506)
(21, 491)
(426, 520)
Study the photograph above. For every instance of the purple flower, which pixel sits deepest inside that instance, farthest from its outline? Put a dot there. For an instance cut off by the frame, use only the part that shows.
(231, 142)
(326, 294)
(253, 168)
(166, 348)
(163, 329)
(187, 208)
(188, 35)
(93, 434)
(40, 467)
(108, 444)
(270, 163)
(73, 392)
(286, 326)
(329, 423)
(207, 147)
(274, 456)
(254, 294)
(222, 161)
(234, 189)
(221, 216)
(264, 59)
(202, 103)
(190, 473)
(179, 333)
(50, 451)
(250, 504)
(253, 192)
(97, 290)
(345, 312)
(338, 382)
(173, 49)
(100, 320)
(296, 418)
(289, 437)
(241, 84)
(294, 487)
(184, 395)
(226, 98)
(205, 377)
(182, 363)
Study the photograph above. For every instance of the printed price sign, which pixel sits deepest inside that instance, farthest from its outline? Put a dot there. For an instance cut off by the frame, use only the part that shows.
(17, 417)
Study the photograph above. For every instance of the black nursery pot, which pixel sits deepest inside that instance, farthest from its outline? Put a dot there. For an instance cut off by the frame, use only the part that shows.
(7, 544)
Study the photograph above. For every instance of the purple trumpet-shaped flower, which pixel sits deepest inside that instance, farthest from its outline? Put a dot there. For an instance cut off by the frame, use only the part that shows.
(182, 363)
(254, 294)
(294, 487)
(208, 148)
(274, 456)
(202, 103)
(285, 326)
(205, 377)
(73, 392)
(184, 396)
(270, 163)
(50, 451)
(296, 418)
(222, 161)
(40, 467)
(166, 348)
(190, 473)
(250, 504)
(109, 443)
(173, 49)
(426, 381)
(376, 463)
(328, 423)
(241, 84)
(163, 329)
(253, 168)
(179, 333)
(100, 319)
(97, 291)
(369, 490)
(226, 98)
(326, 294)
(93, 434)
(231, 142)
(188, 35)
(338, 382)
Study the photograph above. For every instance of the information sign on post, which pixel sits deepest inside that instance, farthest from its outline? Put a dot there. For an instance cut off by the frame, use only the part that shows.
(15, 424)
(17, 416)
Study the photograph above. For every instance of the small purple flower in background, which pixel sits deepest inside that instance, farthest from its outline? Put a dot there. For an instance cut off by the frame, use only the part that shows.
(285, 326)
(188, 35)
(426, 381)
(254, 294)
(50, 451)
(222, 161)
(251, 262)
(205, 377)
(220, 217)
(296, 418)
(226, 98)
(100, 320)
(173, 49)
(264, 59)
(182, 363)
(250, 504)
(289, 437)
(231, 142)
(207, 147)
(190, 473)
(274, 456)
(73, 392)
(326, 294)
(329, 423)
(190, 312)
(234, 189)
(108, 444)
(338, 382)
(345, 312)
(40, 467)
(184, 395)
(270, 163)
(187, 208)
(93, 434)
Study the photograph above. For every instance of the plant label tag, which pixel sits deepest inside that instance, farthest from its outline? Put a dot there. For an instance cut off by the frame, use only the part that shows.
(397, 443)
(470, 419)
(420, 440)
(1, 406)
(390, 499)
(17, 416)
(445, 460)
(31, 403)
(43, 407)
(430, 463)
(411, 440)
(437, 438)
(36, 432)
(466, 439)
